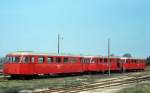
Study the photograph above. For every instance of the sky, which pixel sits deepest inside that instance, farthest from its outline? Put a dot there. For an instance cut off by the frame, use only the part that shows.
(85, 25)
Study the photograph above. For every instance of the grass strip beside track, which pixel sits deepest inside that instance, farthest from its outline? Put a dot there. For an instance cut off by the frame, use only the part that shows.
(141, 88)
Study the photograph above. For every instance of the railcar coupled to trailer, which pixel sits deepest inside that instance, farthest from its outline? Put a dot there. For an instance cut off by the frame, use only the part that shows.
(28, 63)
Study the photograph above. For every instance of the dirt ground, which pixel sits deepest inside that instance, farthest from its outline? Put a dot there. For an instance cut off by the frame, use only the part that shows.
(106, 90)
(114, 89)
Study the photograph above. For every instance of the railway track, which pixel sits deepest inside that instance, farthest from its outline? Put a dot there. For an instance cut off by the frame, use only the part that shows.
(99, 84)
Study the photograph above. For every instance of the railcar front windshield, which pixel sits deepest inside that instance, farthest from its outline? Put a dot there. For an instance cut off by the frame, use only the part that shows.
(12, 59)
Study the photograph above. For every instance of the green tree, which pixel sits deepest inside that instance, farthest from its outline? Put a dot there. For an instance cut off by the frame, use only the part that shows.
(128, 55)
(112, 55)
(148, 60)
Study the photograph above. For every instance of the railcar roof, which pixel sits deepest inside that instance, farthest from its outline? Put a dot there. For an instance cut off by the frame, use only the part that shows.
(130, 58)
(41, 54)
(54, 54)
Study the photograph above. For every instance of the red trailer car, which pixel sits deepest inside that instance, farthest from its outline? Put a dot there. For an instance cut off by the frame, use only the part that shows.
(133, 64)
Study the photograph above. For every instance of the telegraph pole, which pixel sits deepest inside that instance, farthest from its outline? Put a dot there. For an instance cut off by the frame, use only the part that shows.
(109, 55)
(58, 44)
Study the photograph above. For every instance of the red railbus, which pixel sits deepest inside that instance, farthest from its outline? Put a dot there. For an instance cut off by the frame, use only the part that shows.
(33, 64)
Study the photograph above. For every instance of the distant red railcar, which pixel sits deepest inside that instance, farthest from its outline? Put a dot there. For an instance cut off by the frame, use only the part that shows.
(28, 63)
(100, 64)
(133, 64)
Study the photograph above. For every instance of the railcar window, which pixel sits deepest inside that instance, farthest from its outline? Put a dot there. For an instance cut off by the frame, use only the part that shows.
(41, 59)
(7, 59)
(93, 60)
(10, 59)
(100, 60)
(84, 60)
(126, 61)
(32, 59)
(81, 60)
(132, 61)
(73, 60)
(87, 61)
(50, 60)
(110, 60)
(26, 59)
(96, 61)
(105, 60)
(118, 60)
(113, 60)
(58, 60)
(15, 59)
(66, 60)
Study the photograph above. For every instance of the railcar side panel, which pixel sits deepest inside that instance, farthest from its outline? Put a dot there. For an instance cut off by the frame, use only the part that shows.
(11, 68)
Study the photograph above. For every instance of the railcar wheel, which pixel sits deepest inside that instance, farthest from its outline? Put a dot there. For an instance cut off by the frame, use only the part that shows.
(13, 76)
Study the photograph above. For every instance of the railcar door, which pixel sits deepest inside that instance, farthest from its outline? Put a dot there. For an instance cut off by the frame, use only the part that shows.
(93, 64)
(119, 65)
(85, 62)
(27, 65)
(100, 65)
(122, 64)
(59, 68)
(32, 64)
